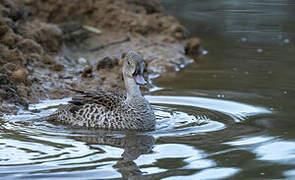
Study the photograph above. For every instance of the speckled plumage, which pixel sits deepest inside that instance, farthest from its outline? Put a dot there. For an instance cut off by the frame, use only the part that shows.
(112, 110)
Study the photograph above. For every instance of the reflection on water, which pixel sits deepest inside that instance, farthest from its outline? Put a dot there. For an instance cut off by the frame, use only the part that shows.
(33, 149)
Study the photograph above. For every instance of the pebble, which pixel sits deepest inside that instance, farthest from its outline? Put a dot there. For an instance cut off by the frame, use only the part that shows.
(19, 76)
(57, 67)
(192, 48)
(87, 72)
(48, 59)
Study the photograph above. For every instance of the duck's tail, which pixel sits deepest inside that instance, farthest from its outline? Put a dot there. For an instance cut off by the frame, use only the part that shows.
(51, 117)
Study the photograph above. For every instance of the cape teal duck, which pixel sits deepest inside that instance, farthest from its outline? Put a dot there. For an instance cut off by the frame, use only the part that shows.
(110, 110)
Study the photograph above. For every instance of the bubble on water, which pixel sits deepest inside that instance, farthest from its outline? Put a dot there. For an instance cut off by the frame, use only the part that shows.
(82, 60)
(246, 72)
(235, 69)
(269, 72)
(243, 39)
(271, 109)
(286, 41)
(285, 92)
(259, 50)
(204, 52)
(214, 75)
(220, 95)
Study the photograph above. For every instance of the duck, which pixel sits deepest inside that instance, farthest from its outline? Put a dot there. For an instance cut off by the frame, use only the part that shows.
(112, 110)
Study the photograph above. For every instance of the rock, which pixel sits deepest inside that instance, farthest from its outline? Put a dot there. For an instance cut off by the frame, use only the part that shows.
(87, 72)
(19, 76)
(57, 67)
(192, 48)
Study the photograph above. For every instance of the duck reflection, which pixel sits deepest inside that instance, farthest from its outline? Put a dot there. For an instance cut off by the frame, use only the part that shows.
(132, 143)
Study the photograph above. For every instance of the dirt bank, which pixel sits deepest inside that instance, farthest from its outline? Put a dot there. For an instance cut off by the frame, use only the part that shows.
(47, 46)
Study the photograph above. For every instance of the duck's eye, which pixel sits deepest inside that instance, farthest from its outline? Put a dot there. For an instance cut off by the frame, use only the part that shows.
(128, 62)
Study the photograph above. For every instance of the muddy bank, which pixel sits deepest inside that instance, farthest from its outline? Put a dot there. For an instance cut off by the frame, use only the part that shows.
(47, 46)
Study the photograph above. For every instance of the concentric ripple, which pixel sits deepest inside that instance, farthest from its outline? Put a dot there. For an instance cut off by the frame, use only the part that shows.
(37, 149)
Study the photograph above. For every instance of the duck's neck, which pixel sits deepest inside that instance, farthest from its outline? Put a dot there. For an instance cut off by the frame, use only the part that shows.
(132, 89)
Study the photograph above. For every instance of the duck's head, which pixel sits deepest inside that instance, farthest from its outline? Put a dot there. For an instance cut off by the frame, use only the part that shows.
(133, 67)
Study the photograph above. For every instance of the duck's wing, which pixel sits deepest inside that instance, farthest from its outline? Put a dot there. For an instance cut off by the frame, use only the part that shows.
(109, 100)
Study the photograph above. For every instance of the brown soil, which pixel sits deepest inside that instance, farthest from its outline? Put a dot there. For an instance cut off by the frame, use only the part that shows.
(45, 46)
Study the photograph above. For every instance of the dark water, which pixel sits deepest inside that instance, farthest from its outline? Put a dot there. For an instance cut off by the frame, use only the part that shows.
(230, 116)
(251, 59)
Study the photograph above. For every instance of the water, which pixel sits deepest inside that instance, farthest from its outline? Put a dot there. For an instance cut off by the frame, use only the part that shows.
(31, 148)
(230, 116)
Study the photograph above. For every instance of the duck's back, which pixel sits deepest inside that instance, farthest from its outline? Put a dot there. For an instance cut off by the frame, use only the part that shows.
(107, 110)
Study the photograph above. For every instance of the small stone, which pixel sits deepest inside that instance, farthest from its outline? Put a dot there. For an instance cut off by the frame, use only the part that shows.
(192, 48)
(19, 76)
(87, 72)
(48, 59)
(57, 67)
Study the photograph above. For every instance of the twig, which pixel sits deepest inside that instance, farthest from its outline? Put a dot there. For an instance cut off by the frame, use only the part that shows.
(91, 29)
